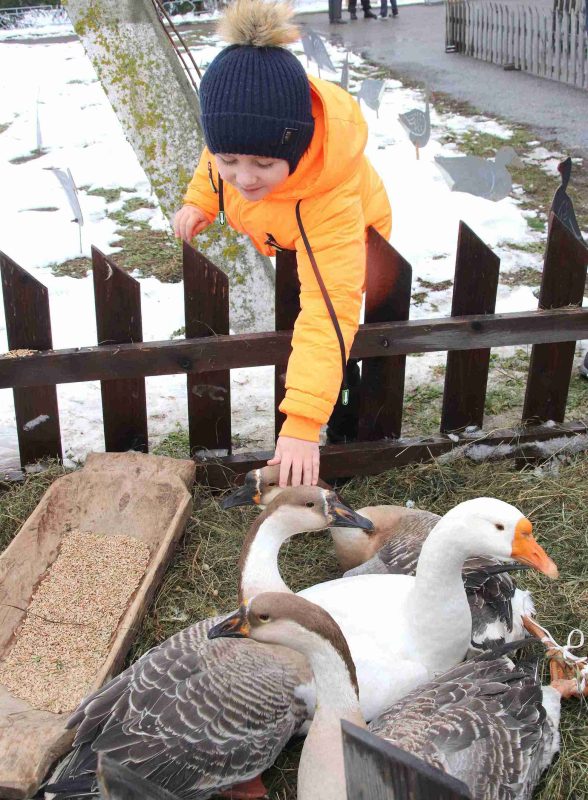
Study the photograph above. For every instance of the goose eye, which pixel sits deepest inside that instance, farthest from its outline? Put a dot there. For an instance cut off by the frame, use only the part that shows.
(310, 504)
(499, 526)
(273, 483)
(264, 617)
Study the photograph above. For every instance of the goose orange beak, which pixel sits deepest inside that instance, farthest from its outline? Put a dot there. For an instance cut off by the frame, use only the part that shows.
(527, 550)
(237, 625)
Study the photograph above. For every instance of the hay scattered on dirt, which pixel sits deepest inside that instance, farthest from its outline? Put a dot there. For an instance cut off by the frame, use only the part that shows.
(65, 635)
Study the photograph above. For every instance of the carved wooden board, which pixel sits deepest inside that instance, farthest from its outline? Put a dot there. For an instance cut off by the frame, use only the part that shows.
(125, 494)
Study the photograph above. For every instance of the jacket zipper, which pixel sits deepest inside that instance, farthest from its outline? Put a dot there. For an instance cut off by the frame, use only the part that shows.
(222, 217)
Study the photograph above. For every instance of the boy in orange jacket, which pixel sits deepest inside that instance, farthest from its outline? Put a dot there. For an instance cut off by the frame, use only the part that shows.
(285, 164)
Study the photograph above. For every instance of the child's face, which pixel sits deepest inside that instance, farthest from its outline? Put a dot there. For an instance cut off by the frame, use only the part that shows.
(254, 176)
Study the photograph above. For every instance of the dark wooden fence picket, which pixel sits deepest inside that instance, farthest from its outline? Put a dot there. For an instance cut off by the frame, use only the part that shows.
(377, 770)
(117, 298)
(563, 284)
(28, 327)
(287, 295)
(206, 302)
(387, 299)
(474, 292)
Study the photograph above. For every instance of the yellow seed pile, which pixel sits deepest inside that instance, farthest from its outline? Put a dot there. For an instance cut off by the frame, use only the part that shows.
(65, 635)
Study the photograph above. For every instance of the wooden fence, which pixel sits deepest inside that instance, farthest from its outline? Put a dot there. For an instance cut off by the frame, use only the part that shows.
(548, 44)
(121, 360)
(377, 770)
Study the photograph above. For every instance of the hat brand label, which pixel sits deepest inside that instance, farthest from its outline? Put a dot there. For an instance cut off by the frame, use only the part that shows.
(288, 135)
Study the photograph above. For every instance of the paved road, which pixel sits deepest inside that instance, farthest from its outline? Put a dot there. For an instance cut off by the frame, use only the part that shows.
(413, 45)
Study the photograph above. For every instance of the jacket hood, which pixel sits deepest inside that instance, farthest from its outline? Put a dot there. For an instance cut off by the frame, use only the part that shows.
(337, 147)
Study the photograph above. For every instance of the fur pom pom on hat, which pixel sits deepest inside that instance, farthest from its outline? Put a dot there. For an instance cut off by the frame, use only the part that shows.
(255, 95)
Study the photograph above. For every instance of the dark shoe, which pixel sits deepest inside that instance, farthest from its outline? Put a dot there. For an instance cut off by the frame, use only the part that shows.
(395, 13)
(383, 16)
(370, 15)
(353, 16)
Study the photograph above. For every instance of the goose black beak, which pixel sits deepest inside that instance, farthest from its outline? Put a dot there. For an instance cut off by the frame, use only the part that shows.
(235, 626)
(246, 495)
(344, 517)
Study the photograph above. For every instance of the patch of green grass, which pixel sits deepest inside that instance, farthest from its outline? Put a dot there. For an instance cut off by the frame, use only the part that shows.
(524, 276)
(73, 268)
(110, 195)
(4, 126)
(525, 247)
(537, 224)
(43, 208)
(418, 298)
(435, 286)
(25, 159)
(422, 409)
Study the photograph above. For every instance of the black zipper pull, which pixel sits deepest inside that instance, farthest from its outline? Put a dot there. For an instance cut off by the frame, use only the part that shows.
(222, 217)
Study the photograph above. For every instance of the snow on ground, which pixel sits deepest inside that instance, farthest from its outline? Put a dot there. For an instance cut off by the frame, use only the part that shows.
(57, 87)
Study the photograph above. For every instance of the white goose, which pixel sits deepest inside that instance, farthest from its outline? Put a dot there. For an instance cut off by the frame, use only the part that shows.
(496, 604)
(485, 722)
(194, 716)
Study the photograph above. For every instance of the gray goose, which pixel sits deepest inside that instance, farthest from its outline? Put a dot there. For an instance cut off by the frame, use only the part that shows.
(497, 606)
(479, 176)
(194, 716)
(486, 722)
(118, 782)
(417, 124)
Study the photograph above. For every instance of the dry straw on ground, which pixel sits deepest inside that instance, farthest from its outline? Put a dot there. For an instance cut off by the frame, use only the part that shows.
(201, 580)
(65, 635)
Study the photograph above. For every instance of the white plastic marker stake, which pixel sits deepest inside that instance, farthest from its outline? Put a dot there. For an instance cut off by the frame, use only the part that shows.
(69, 187)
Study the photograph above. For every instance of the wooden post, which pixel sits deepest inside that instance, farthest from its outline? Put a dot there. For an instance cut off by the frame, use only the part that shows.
(117, 298)
(387, 299)
(28, 327)
(287, 310)
(474, 292)
(377, 770)
(563, 282)
(206, 303)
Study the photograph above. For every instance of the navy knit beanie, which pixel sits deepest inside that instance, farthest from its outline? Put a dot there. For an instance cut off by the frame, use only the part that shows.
(255, 95)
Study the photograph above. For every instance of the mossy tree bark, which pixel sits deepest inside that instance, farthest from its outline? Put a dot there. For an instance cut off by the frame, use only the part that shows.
(159, 112)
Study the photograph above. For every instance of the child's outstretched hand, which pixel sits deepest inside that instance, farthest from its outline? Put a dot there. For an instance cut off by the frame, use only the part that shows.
(189, 221)
(298, 456)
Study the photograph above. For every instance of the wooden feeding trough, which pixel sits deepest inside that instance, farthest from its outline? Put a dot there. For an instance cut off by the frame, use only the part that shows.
(132, 495)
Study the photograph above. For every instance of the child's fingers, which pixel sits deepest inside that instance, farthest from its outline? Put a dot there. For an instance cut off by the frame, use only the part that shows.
(307, 477)
(316, 463)
(275, 460)
(285, 465)
(297, 464)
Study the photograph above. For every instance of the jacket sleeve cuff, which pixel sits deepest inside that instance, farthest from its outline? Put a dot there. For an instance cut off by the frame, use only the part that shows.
(301, 428)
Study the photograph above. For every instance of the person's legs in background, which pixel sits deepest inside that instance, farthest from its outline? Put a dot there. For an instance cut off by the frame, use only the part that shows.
(353, 9)
(394, 7)
(384, 9)
(367, 11)
(335, 12)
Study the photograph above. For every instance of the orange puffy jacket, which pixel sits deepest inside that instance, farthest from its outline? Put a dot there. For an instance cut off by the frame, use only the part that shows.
(341, 196)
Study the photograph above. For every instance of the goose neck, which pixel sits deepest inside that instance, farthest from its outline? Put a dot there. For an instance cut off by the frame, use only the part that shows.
(259, 571)
(442, 557)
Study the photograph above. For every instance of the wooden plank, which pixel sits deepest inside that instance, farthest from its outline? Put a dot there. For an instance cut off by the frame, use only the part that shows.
(387, 299)
(261, 349)
(117, 298)
(28, 327)
(287, 310)
(206, 310)
(562, 285)
(474, 292)
(377, 770)
(146, 497)
(371, 458)
(557, 53)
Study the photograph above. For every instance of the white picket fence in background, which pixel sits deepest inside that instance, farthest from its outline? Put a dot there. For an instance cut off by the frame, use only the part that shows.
(550, 44)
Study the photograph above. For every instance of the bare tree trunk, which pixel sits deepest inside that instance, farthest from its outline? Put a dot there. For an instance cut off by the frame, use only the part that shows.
(159, 112)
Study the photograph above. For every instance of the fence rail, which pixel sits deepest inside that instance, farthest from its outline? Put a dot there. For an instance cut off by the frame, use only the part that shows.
(121, 360)
(550, 44)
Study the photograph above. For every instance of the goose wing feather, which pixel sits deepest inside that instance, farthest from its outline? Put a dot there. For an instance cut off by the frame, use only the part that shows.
(196, 716)
(482, 722)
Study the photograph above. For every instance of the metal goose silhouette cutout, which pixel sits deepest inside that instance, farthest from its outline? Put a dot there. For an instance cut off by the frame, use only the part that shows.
(344, 82)
(481, 177)
(371, 92)
(315, 50)
(417, 124)
(562, 205)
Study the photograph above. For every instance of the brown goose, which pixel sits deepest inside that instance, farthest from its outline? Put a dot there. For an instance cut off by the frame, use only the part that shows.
(496, 605)
(194, 716)
(486, 722)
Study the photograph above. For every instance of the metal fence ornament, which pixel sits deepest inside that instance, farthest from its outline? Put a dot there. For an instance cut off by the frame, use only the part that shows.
(371, 92)
(315, 50)
(417, 123)
(482, 177)
(67, 182)
(38, 121)
(562, 205)
(344, 83)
